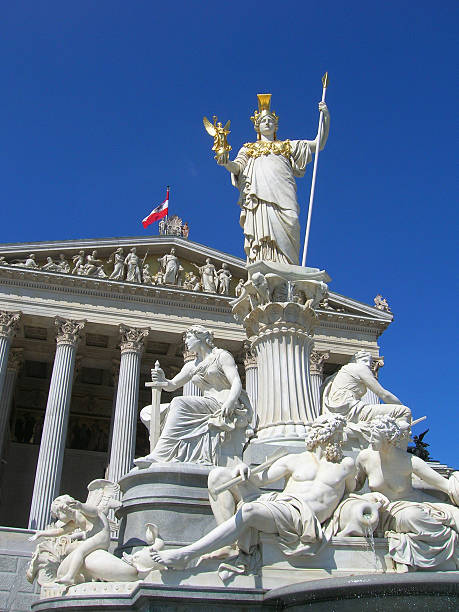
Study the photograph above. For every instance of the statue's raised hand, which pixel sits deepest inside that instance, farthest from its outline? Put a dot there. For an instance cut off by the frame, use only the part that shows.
(158, 376)
(323, 108)
(223, 159)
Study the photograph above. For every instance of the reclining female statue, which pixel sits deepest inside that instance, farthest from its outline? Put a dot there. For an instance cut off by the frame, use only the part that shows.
(421, 529)
(209, 429)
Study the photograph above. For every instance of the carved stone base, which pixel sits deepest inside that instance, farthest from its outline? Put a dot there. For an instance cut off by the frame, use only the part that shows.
(348, 571)
(171, 495)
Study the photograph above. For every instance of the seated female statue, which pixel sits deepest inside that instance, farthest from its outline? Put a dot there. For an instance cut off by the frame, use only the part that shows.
(207, 429)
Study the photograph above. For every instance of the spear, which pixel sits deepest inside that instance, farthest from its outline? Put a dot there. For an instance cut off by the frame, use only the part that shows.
(314, 172)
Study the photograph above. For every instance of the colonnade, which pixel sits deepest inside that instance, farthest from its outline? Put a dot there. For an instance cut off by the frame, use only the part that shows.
(126, 373)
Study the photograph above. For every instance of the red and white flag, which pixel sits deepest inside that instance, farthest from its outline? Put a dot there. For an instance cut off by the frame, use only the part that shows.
(157, 213)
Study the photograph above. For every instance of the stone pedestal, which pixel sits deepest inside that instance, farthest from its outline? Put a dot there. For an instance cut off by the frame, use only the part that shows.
(276, 308)
(173, 496)
(50, 458)
(127, 399)
(283, 340)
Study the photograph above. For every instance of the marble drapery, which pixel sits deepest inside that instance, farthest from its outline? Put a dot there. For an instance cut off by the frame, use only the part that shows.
(269, 215)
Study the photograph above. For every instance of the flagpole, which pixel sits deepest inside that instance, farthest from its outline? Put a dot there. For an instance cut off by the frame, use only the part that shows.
(167, 198)
(314, 172)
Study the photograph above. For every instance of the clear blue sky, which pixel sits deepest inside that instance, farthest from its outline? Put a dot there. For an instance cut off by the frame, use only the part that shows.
(102, 106)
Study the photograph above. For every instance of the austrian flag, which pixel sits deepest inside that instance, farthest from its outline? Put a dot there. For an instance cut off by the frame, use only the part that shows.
(157, 213)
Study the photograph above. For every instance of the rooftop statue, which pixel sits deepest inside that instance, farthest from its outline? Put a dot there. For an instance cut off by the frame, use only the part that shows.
(264, 172)
(170, 268)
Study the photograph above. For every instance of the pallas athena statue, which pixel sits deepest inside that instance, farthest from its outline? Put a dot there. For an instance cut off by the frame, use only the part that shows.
(264, 172)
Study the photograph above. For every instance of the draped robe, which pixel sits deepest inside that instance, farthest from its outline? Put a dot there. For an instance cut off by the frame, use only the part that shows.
(269, 215)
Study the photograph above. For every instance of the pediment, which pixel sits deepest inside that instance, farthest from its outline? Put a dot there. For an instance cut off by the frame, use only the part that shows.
(149, 249)
(47, 256)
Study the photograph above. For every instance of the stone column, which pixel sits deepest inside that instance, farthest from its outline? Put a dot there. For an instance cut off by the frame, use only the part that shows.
(51, 455)
(282, 338)
(8, 326)
(370, 397)
(316, 369)
(251, 379)
(6, 398)
(115, 378)
(190, 388)
(127, 399)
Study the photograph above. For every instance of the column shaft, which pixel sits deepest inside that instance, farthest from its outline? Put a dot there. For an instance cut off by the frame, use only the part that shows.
(127, 399)
(125, 419)
(52, 446)
(6, 397)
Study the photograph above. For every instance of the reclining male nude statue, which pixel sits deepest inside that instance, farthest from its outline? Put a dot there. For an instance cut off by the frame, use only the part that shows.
(316, 481)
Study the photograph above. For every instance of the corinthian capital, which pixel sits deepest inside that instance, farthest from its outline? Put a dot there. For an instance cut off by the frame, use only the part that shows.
(132, 338)
(68, 330)
(316, 362)
(8, 323)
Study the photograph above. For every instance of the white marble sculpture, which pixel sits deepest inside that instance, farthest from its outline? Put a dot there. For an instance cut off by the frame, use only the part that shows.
(344, 391)
(208, 429)
(79, 529)
(50, 265)
(28, 262)
(170, 268)
(192, 282)
(422, 531)
(264, 172)
(224, 279)
(239, 287)
(315, 483)
(78, 263)
(94, 266)
(146, 275)
(117, 258)
(132, 263)
(381, 303)
(209, 278)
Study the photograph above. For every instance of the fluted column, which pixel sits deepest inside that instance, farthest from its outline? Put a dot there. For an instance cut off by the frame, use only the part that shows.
(316, 369)
(370, 397)
(51, 455)
(190, 388)
(8, 326)
(251, 379)
(283, 339)
(127, 399)
(6, 398)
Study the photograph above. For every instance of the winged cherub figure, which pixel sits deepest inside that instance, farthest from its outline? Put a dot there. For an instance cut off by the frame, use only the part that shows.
(219, 134)
(86, 524)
